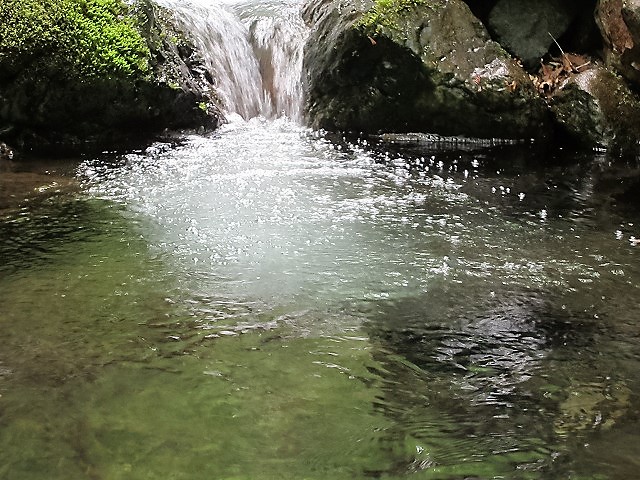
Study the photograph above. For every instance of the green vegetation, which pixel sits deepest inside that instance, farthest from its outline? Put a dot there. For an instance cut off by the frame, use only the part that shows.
(385, 14)
(86, 38)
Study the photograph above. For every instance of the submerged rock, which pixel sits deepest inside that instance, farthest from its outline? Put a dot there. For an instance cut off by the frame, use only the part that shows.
(45, 108)
(423, 67)
(596, 108)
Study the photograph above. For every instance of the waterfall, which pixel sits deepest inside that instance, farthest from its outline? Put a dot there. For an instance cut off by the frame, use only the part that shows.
(253, 49)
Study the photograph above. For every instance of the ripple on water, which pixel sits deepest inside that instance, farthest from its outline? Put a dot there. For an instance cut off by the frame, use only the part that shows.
(299, 308)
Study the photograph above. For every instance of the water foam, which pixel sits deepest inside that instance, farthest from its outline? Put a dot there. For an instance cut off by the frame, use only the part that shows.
(253, 50)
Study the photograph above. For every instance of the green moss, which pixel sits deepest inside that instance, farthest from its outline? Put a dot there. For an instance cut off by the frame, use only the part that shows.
(71, 38)
(386, 13)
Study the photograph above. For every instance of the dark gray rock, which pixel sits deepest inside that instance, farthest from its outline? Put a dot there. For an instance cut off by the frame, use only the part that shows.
(431, 68)
(481, 8)
(46, 112)
(583, 36)
(596, 108)
(523, 27)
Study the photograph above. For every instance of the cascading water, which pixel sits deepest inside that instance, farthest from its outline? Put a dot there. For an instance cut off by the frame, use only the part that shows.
(277, 35)
(253, 50)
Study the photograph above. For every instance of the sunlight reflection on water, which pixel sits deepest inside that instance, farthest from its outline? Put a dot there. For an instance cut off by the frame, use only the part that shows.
(293, 305)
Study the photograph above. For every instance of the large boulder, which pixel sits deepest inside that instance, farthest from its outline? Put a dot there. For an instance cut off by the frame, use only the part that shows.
(527, 29)
(50, 102)
(523, 27)
(597, 109)
(619, 22)
(414, 66)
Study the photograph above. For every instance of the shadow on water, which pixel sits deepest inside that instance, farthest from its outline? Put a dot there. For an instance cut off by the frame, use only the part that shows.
(511, 378)
(520, 178)
(502, 385)
(33, 236)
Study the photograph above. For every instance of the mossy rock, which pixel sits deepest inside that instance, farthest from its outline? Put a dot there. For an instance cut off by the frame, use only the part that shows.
(418, 66)
(88, 38)
(97, 74)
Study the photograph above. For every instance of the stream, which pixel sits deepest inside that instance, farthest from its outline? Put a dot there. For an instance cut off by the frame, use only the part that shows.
(271, 302)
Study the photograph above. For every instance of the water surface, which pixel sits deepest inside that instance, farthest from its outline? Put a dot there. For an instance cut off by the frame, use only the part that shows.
(264, 302)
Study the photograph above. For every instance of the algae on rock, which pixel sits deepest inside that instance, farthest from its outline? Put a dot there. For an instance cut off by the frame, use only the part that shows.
(386, 14)
(414, 66)
(71, 37)
(78, 75)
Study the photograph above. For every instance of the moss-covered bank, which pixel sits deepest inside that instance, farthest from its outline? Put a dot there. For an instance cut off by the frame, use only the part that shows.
(89, 74)
(71, 37)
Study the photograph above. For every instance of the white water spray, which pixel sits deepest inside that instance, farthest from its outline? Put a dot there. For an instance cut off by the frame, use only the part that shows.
(253, 48)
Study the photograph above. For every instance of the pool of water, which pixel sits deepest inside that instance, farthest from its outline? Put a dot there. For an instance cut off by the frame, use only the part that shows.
(268, 302)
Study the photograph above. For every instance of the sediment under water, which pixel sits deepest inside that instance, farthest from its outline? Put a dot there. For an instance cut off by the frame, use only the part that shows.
(266, 303)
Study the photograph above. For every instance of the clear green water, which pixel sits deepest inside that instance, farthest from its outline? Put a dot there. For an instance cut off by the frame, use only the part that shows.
(266, 304)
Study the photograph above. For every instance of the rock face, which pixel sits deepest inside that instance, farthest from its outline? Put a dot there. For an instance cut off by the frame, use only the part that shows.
(597, 109)
(523, 27)
(49, 113)
(619, 22)
(526, 28)
(425, 68)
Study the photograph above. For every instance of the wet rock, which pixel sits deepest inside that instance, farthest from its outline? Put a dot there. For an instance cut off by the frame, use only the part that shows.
(583, 36)
(619, 22)
(596, 108)
(45, 111)
(481, 9)
(425, 68)
(6, 152)
(523, 27)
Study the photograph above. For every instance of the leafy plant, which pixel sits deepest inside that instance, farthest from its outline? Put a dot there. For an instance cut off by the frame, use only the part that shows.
(385, 14)
(72, 37)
